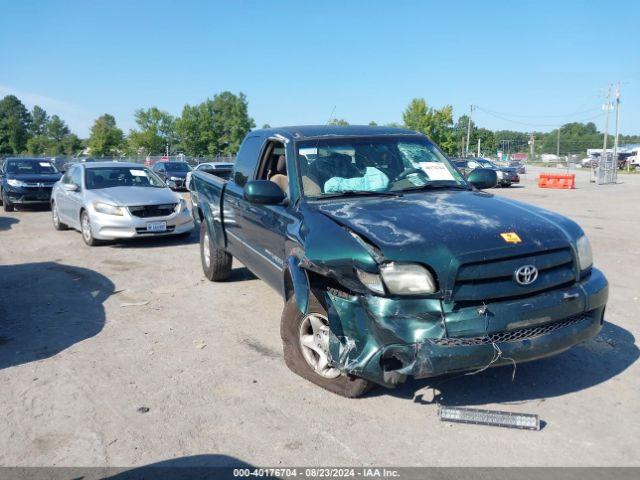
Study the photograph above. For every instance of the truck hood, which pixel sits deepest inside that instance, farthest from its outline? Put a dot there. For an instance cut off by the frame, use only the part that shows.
(434, 227)
(130, 196)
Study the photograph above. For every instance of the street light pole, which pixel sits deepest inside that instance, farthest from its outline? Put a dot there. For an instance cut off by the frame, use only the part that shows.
(471, 107)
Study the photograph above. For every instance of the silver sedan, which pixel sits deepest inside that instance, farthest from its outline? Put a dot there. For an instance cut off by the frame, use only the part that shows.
(111, 200)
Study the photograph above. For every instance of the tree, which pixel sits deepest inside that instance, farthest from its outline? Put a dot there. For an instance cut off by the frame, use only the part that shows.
(231, 121)
(156, 132)
(56, 129)
(15, 123)
(71, 144)
(106, 138)
(39, 122)
(266, 125)
(38, 145)
(436, 124)
(373, 124)
(195, 130)
(338, 121)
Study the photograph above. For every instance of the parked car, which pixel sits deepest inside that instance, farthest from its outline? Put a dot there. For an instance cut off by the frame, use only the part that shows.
(173, 173)
(519, 165)
(221, 169)
(107, 201)
(506, 175)
(26, 181)
(392, 265)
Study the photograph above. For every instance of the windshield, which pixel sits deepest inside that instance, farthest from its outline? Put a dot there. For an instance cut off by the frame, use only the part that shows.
(30, 167)
(329, 167)
(107, 177)
(177, 167)
(486, 164)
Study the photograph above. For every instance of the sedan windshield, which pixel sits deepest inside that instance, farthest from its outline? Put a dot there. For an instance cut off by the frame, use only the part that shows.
(108, 177)
(30, 167)
(177, 167)
(330, 167)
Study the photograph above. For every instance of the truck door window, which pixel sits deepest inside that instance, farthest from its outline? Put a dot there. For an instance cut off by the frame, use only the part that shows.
(246, 162)
(273, 165)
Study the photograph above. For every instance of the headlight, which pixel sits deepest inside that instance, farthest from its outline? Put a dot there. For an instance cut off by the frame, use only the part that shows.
(181, 205)
(499, 174)
(108, 209)
(407, 279)
(16, 183)
(585, 257)
(371, 280)
(174, 178)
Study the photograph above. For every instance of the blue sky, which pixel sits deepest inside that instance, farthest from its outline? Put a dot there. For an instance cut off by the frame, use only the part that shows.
(528, 65)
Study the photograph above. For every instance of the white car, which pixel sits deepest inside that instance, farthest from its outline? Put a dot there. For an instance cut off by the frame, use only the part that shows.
(219, 169)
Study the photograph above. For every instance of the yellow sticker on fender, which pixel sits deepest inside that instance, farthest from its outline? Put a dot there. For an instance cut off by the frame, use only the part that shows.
(511, 237)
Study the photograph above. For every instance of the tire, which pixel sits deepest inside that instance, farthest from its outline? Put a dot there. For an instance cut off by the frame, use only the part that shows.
(8, 207)
(85, 230)
(55, 218)
(216, 263)
(291, 328)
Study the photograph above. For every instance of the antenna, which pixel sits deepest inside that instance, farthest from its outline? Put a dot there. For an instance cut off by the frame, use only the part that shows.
(331, 115)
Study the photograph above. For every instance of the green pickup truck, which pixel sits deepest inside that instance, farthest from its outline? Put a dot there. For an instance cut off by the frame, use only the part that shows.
(391, 264)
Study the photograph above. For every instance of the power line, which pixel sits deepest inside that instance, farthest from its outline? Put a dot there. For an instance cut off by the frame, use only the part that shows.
(543, 116)
(509, 120)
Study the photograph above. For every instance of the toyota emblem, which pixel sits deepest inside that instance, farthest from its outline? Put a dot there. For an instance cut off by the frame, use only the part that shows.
(526, 275)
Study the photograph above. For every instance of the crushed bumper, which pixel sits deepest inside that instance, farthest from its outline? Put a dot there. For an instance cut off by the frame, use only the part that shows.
(388, 340)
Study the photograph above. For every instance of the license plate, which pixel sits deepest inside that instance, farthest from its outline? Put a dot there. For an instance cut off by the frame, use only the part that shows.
(156, 227)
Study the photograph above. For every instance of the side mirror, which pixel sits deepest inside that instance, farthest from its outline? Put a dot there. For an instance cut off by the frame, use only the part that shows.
(70, 187)
(482, 178)
(263, 192)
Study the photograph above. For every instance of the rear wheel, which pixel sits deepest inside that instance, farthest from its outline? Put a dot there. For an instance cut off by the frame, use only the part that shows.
(305, 340)
(55, 217)
(216, 263)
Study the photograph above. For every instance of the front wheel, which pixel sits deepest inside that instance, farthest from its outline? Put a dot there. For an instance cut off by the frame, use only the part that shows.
(55, 217)
(8, 206)
(85, 228)
(216, 263)
(305, 342)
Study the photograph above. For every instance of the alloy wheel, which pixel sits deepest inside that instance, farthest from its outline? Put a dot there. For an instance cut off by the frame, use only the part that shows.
(314, 343)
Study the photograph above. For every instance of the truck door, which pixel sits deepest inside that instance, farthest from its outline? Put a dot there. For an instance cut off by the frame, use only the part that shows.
(260, 230)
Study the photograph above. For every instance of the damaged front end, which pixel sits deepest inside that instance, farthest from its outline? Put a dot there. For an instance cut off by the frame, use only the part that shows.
(387, 338)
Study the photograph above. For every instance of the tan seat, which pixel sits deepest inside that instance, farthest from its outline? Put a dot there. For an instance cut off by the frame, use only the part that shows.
(280, 177)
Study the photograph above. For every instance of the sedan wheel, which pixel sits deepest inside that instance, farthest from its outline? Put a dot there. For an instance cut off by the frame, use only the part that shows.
(314, 343)
(55, 216)
(85, 226)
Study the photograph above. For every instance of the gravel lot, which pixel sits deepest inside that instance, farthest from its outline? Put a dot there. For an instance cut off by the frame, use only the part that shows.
(91, 337)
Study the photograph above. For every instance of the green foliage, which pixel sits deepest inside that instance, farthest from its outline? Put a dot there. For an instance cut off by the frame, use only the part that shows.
(38, 145)
(436, 124)
(39, 122)
(231, 121)
(15, 123)
(156, 132)
(106, 138)
(266, 125)
(373, 124)
(338, 121)
(195, 130)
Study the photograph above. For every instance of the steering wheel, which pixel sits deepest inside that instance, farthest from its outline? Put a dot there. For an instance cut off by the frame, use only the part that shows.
(406, 173)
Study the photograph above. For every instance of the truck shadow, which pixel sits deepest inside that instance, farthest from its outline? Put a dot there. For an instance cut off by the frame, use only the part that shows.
(582, 367)
(7, 222)
(47, 307)
(195, 467)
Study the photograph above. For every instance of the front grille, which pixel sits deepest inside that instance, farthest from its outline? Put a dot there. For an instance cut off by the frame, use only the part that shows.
(511, 335)
(146, 211)
(143, 231)
(493, 279)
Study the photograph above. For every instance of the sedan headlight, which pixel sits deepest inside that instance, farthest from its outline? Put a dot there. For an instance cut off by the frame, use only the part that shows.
(16, 183)
(181, 205)
(108, 209)
(585, 256)
(175, 178)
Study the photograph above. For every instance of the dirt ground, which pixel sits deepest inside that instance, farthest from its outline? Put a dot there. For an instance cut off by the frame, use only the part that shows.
(90, 338)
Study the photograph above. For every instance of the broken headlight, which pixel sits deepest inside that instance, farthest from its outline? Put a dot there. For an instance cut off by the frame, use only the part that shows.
(407, 279)
(400, 279)
(585, 257)
(370, 280)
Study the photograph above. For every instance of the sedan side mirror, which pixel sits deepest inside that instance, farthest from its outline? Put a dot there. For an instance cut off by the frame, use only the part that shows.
(263, 192)
(482, 178)
(70, 187)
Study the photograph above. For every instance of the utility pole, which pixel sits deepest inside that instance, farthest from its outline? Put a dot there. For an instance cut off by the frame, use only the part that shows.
(558, 144)
(532, 143)
(471, 107)
(607, 107)
(478, 148)
(615, 143)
